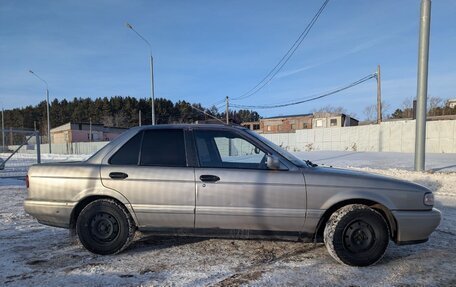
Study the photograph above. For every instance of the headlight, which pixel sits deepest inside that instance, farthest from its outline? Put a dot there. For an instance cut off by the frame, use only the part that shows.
(429, 199)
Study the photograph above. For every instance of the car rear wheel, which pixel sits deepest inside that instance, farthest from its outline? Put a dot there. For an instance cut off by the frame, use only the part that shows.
(356, 235)
(105, 227)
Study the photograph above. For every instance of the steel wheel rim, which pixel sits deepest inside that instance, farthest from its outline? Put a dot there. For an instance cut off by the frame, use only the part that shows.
(359, 236)
(104, 227)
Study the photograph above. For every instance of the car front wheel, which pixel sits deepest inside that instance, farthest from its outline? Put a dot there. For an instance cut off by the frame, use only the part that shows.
(356, 235)
(105, 227)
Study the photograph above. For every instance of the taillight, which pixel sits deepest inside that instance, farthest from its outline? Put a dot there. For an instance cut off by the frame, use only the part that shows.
(27, 183)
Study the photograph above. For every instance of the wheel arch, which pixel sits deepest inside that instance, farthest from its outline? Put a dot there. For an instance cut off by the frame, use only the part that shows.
(90, 198)
(382, 209)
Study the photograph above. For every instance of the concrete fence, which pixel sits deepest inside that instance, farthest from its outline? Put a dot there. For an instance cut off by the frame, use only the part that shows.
(388, 136)
(397, 136)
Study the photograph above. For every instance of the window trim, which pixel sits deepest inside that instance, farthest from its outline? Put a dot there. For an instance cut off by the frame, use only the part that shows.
(140, 149)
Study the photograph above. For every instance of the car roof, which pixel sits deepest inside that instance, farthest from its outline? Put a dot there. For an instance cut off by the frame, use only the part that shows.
(193, 126)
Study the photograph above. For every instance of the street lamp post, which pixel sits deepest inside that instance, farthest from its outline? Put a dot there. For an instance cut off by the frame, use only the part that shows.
(151, 70)
(47, 109)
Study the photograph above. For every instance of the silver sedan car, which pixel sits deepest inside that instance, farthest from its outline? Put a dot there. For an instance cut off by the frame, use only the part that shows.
(225, 181)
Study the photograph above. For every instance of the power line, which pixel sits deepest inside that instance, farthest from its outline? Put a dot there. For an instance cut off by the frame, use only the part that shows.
(278, 67)
(207, 114)
(218, 102)
(313, 98)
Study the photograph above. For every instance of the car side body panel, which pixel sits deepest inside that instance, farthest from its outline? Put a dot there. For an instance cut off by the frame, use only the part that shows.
(160, 196)
(251, 200)
(58, 188)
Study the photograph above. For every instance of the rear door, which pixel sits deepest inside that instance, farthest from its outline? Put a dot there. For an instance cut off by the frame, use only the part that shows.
(236, 190)
(151, 170)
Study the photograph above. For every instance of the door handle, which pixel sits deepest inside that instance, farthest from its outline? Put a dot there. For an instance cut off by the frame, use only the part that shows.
(118, 175)
(209, 178)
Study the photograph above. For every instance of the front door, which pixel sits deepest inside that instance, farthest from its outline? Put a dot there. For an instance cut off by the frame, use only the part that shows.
(236, 190)
(151, 171)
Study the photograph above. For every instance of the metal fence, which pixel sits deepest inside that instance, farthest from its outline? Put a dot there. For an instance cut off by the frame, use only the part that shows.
(84, 148)
(13, 162)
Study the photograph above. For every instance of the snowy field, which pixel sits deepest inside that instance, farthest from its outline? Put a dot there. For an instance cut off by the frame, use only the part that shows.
(37, 255)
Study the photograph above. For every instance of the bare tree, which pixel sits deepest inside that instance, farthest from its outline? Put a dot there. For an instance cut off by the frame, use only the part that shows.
(385, 109)
(370, 112)
(107, 121)
(433, 104)
(329, 110)
(120, 120)
(407, 107)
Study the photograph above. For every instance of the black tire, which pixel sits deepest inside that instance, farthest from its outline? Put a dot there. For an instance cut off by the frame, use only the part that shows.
(105, 227)
(356, 235)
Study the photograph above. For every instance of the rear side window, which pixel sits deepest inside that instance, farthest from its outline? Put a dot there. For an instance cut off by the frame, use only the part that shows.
(128, 154)
(163, 148)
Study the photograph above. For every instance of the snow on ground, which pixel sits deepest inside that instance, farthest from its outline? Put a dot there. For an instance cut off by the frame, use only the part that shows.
(34, 254)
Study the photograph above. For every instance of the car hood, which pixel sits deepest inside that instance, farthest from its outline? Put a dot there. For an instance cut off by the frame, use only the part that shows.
(338, 177)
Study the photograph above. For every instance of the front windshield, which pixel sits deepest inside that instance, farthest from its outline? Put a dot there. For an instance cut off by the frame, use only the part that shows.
(289, 156)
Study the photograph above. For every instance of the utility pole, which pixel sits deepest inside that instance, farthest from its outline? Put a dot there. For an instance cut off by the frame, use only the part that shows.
(227, 110)
(48, 120)
(139, 117)
(90, 129)
(3, 131)
(379, 95)
(422, 84)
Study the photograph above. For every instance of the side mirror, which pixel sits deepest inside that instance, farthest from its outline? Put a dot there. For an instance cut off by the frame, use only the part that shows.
(272, 162)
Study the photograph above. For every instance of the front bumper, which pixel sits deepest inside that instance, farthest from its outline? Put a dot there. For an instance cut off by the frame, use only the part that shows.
(416, 226)
(51, 213)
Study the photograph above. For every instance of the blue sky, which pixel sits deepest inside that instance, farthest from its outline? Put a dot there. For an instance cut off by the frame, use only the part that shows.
(206, 50)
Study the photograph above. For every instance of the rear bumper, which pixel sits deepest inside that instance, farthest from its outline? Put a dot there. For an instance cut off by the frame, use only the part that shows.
(51, 213)
(416, 226)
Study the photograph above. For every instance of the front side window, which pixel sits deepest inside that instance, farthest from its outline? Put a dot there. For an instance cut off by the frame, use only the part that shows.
(289, 156)
(163, 148)
(228, 150)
